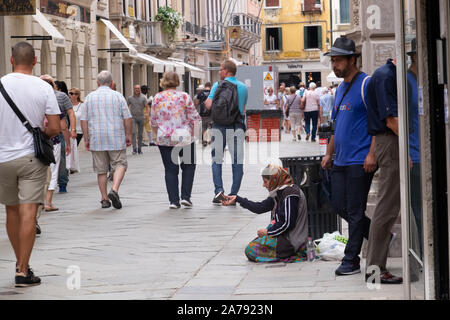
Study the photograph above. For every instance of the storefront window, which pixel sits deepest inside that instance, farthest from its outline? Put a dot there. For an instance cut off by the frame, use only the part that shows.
(413, 96)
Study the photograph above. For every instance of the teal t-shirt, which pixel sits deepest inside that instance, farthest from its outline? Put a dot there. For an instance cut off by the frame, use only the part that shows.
(242, 92)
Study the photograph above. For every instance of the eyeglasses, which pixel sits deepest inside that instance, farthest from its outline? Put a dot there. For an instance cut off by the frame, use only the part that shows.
(72, 93)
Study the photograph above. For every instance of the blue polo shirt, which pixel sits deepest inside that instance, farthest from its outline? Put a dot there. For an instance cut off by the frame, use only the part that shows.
(413, 110)
(242, 92)
(382, 98)
(351, 140)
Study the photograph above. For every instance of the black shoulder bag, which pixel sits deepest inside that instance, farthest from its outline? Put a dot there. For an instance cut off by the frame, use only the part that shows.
(289, 107)
(43, 146)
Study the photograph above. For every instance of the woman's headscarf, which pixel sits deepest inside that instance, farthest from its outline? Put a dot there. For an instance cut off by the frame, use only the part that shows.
(277, 176)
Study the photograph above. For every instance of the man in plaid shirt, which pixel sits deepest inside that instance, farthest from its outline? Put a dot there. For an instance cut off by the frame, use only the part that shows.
(106, 123)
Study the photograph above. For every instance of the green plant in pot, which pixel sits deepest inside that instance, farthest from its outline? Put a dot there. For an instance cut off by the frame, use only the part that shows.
(171, 21)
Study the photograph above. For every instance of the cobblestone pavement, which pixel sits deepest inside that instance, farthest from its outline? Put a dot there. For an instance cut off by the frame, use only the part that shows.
(146, 251)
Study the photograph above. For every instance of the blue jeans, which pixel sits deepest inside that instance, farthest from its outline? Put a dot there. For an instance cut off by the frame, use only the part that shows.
(234, 137)
(350, 187)
(314, 116)
(169, 157)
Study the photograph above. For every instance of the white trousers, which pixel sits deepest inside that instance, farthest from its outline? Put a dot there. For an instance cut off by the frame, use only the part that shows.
(54, 167)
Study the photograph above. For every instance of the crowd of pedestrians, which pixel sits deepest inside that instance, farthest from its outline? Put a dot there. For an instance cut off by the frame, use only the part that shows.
(108, 123)
(303, 110)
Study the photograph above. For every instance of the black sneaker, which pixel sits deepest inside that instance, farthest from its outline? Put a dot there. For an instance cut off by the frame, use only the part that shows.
(27, 280)
(114, 197)
(346, 269)
(186, 203)
(38, 229)
(105, 204)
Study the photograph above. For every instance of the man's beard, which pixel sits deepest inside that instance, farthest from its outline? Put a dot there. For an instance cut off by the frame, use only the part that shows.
(340, 74)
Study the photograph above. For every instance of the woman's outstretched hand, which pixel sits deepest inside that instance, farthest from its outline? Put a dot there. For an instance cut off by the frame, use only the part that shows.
(229, 200)
(262, 233)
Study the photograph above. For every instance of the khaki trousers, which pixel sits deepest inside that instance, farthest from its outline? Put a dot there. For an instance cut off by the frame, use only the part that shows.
(388, 206)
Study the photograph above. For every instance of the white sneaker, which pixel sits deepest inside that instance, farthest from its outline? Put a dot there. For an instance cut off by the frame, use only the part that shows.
(174, 206)
(186, 203)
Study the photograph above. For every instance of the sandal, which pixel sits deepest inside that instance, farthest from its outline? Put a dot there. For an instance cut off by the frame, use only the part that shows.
(50, 208)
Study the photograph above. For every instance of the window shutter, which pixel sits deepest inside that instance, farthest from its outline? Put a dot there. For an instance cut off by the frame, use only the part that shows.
(309, 5)
(272, 3)
(280, 39)
(319, 37)
(305, 37)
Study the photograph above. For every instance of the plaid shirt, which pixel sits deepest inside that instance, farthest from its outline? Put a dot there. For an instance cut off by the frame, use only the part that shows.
(105, 111)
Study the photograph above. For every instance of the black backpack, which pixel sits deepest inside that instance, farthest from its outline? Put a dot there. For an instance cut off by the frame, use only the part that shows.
(202, 97)
(225, 104)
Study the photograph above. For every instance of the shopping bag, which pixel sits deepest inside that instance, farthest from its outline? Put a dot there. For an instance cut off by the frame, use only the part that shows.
(331, 246)
(72, 160)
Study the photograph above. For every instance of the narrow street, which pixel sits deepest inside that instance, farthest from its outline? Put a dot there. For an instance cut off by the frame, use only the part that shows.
(146, 251)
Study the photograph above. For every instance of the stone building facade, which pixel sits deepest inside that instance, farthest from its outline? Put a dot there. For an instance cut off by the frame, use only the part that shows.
(72, 55)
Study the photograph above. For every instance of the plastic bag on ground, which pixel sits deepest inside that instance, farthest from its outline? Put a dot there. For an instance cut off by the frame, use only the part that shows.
(331, 246)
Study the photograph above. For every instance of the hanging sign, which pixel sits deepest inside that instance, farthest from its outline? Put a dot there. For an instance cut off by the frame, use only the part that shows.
(17, 7)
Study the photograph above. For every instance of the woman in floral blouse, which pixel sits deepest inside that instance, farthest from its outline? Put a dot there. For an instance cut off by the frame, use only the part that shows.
(173, 118)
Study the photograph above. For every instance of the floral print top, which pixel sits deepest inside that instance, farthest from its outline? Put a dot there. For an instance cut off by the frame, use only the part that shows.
(173, 112)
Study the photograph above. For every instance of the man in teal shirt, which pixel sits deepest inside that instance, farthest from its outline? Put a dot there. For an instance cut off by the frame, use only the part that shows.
(233, 135)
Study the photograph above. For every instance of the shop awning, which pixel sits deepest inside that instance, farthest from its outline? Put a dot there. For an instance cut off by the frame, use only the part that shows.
(57, 37)
(120, 36)
(332, 78)
(195, 71)
(158, 65)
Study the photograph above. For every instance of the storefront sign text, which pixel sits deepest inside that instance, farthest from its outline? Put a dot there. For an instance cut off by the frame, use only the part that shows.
(17, 7)
(295, 66)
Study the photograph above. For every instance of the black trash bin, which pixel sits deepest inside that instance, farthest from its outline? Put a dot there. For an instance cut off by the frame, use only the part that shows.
(312, 180)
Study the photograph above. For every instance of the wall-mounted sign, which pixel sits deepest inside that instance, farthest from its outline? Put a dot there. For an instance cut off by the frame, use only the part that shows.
(17, 7)
(420, 102)
(268, 81)
(66, 9)
(235, 32)
(295, 66)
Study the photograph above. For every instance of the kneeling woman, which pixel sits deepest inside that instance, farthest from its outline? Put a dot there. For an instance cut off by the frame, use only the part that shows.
(284, 240)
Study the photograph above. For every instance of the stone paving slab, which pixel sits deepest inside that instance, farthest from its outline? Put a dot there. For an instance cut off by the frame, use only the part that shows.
(146, 251)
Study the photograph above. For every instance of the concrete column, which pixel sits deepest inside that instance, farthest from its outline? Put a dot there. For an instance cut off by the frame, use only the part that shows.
(128, 76)
(116, 70)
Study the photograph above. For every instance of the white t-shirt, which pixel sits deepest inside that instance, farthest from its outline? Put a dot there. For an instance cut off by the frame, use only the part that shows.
(78, 109)
(272, 100)
(35, 98)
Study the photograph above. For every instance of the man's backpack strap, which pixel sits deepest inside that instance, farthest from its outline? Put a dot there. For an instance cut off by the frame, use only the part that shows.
(362, 90)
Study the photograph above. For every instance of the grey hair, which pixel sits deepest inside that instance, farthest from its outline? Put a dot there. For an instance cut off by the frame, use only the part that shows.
(104, 78)
(312, 85)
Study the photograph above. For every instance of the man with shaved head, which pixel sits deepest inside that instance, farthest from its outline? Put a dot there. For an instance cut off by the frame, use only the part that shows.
(138, 106)
(22, 174)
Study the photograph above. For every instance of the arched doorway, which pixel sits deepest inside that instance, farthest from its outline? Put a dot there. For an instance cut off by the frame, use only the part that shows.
(74, 67)
(87, 71)
(61, 64)
(46, 60)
